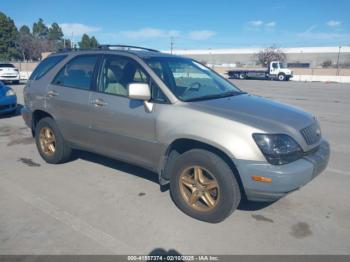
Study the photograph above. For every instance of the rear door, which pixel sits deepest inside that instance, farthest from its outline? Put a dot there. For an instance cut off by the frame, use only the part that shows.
(122, 128)
(68, 98)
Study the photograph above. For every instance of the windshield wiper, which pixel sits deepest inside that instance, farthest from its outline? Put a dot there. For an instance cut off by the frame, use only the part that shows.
(214, 96)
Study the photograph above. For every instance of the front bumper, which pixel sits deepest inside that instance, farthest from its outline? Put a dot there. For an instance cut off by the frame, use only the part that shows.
(8, 104)
(285, 178)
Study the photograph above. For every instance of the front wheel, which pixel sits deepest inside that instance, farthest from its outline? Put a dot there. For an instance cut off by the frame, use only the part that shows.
(242, 76)
(281, 77)
(203, 186)
(50, 142)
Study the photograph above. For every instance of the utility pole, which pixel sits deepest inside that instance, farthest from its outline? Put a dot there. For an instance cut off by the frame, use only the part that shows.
(72, 42)
(171, 44)
(338, 61)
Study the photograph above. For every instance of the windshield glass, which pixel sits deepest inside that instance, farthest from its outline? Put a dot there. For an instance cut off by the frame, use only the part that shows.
(7, 65)
(283, 65)
(189, 80)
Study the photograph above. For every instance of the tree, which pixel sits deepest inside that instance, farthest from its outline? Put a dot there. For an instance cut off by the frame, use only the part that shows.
(25, 42)
(8, 37)
(29, 46)
(40, 30)
(85, 42)
(24, 30)
(267, 55)
(55, 32)
(93, 42)
(67, 43)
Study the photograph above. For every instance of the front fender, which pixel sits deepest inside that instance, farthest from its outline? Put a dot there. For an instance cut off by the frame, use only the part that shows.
(231, 137)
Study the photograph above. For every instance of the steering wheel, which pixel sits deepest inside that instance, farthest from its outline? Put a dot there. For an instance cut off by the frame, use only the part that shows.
(194, 86)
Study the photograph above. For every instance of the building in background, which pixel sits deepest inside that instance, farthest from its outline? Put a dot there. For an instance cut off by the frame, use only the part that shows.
(302, 57)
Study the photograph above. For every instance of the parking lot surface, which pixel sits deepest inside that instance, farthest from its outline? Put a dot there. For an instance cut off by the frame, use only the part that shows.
(96, 205)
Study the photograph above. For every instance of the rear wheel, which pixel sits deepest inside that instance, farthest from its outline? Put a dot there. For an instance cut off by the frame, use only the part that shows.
(204, 187)
(50, 143)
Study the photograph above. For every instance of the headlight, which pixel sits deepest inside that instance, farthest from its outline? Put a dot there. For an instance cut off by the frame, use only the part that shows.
(10, 92)
(279, 149)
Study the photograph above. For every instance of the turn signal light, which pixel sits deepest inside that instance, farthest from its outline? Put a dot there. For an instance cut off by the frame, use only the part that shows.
(262, 179)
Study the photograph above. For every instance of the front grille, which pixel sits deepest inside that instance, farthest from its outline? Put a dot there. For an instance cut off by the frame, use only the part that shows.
(311, 134)
(8, 76)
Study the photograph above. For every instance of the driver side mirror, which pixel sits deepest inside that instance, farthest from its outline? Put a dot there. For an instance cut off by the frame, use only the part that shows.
(139, 91)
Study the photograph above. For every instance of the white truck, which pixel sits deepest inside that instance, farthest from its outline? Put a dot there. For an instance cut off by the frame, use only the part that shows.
(275, 71)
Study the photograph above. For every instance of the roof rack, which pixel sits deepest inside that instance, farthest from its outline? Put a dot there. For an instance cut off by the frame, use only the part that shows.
(107, 47)
(68, 49)
(126, 47)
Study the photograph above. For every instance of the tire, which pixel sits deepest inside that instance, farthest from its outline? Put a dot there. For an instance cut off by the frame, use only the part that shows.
(227, 197)
(281, 77)
(16, 82)
(242, 76)
(62, 152)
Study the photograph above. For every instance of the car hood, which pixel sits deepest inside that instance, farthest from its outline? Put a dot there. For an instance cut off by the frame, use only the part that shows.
(256, 111)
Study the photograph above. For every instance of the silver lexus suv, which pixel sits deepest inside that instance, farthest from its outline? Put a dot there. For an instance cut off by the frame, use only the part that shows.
(213, 143)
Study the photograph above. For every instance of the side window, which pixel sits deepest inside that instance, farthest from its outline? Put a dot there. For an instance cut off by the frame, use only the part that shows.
(117, 72)
(140, 76)
(158, 69)
(45, 66)
(157, 94)
(274, 65)
(77, 73)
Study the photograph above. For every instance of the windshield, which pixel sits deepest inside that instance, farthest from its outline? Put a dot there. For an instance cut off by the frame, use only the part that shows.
(189, 80)
(7, 65)
(283, 65)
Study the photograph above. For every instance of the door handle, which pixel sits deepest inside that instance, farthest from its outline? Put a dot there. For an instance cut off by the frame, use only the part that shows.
(52, 93)
(99, 102)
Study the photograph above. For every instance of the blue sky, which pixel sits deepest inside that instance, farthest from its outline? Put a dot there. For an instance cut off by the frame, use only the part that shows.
(194, 23)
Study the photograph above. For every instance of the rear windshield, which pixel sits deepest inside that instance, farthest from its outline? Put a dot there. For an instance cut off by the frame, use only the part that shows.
(7, 65)
(45, 66)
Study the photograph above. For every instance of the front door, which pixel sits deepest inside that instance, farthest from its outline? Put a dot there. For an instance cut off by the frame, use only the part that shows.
(121, 127)
(274, 68)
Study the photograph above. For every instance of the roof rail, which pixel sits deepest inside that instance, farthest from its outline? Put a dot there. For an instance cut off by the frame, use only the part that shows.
(107, 47)
(68, 49)
(126, 47)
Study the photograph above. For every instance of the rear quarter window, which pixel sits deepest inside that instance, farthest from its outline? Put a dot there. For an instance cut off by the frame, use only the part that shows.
(45, 66)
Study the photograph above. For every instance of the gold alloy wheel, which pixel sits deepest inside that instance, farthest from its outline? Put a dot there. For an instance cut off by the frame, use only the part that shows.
(199, 188)
(47, 141)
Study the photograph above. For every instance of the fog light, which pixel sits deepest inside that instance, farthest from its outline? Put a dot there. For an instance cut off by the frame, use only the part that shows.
(262, 179)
